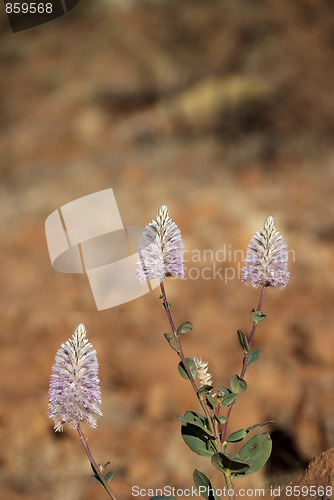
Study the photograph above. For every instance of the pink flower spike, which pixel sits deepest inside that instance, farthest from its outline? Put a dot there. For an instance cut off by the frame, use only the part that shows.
(160, 249)
(266, 259)
(74, 392)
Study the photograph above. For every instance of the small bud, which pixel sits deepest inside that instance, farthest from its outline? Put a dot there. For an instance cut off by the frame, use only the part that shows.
(204, 376)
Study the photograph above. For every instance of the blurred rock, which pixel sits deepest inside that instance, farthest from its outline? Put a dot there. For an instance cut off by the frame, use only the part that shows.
(314, 418)
(317, 477)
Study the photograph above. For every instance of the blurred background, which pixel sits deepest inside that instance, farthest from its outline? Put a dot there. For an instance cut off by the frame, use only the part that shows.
(225, 112)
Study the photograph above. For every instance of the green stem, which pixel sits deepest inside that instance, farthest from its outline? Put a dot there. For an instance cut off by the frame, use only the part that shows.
(229, 485)
(177, 338)
(94, 465)
(246, 355)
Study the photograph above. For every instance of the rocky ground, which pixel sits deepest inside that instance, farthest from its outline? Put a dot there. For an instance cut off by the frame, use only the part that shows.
(224, 111)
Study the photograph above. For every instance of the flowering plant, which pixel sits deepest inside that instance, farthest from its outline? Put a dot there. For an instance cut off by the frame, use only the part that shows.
(74, 394)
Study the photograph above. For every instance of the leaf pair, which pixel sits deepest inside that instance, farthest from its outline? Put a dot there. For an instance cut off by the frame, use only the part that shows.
(251, 457)
(226, 396)
(107, 477)
(242, 433)
(252, 355)
(184, 328)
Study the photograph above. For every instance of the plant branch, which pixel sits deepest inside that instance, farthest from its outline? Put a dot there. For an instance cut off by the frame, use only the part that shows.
(244, 364)
(177, 338)
(230, 485)
(246, 355)
(185, 364)
(94, 465)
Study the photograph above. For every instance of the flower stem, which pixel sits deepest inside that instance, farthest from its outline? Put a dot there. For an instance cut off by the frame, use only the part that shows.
(244, 364)
(177, 338)
(230, 485)
(94, 465)
(208, 414)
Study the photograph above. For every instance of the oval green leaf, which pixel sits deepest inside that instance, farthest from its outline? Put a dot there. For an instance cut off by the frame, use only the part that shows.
(255, 453)
(204, 390)
(168, 337)
(197, 440)
(258, 316)
(237, 436)
(196, 419)
(238, 384)
(211, 400)
(96, 479)
(204, 485)
(191, 365)
(243, 341)
(240, 434)
(253, 356)
(221, 420)
(184, 328)
(228, 399)
(109, 475)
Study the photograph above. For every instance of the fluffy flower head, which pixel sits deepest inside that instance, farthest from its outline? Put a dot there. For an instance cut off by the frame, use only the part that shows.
(160, 249)
(74, 392)
(204, 376)
(266, 259)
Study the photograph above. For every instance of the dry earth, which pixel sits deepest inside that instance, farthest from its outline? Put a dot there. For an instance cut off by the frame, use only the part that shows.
(224, 111)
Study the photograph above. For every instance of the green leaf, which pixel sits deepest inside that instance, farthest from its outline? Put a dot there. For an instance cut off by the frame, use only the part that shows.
(224, 462)
(96, 479)
(197, 439)
(221, 420)
(196, 419)
(184, 328)
(204, 389)
(243, 341)
(253, 356)
(204, 485)
(169, 337)
(191, 365)
(228, 399)
(237, 436)
(238, 384)
(109, 475)
(258, 316)
(259, 425)
(242, 433)
(211, 400)
(255, 453)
